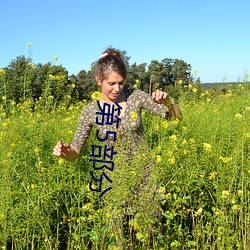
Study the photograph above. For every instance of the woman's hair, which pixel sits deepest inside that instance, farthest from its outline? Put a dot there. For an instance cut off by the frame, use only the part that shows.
(110, 60)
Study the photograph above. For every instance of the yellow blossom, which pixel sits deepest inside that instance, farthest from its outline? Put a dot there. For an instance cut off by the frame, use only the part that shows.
(239, 192)
(190, 86)
(60, 161)
(135, 86)
(207, 147)
(168, 196)
(4, 124)
(164, 124)
(184, 141)
(225, 193)
(212, 175)
(235, 207)
(133, 173)
(173, 137)
(191, 140)
(180, 82)
(37, 149)
(162, 190)
(29, 44)
(195, 71)
(156, 127)
(158, 159)
(218, 212)
(247, 108)
(2, 217)
(73, 85)
(194, 90)
(56, 58)
(238, 116)
(225, 159)
(2, 72)
(171, 160)
(87, 207)
(97, 95)
(137, 81)
(198, 212)
(13, 103)
(3, 97)
(51, 77)
(50, 97)
(175, 122)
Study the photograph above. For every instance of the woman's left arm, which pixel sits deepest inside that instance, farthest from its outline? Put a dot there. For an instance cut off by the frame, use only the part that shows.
(163, 98)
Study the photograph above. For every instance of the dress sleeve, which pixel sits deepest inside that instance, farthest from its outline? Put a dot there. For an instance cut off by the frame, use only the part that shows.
(151, 106)
(84, 127)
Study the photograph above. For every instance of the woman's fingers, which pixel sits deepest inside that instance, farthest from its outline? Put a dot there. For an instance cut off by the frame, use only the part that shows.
(61, 149)
(160, 97)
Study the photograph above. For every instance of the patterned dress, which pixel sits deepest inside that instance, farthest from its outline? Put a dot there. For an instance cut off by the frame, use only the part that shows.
(130, 129)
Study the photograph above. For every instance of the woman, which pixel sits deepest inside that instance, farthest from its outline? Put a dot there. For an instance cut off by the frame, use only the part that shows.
(110, 74)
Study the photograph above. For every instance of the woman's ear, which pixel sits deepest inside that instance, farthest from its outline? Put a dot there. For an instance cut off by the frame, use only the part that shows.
(98, 80)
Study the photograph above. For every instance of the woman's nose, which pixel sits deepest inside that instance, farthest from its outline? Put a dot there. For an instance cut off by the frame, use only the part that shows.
(116, 87)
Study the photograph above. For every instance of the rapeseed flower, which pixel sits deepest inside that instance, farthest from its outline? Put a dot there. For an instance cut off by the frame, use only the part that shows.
(225, 193)
(180, 82)
(56, 58)
(173, 137)
(96, 96)
(168, 196)
(235, 207)
(225, 159)
(171, 160)
(207, 147)
(29, 44)
(2, 72)
(212, 175)
(198, 212)
(239, 192)
(158, 159)
(164, 124)
(162, 190)
(238, 116)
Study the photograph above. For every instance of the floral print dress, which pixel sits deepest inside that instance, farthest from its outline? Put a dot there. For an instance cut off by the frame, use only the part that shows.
(130, 129)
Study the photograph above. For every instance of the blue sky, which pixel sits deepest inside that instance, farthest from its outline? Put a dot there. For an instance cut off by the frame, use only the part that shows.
(212, 36)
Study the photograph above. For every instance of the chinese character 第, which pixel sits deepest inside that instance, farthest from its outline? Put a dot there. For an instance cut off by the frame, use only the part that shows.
(108, 112)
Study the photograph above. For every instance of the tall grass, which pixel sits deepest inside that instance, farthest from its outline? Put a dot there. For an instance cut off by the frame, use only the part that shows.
(202, 169)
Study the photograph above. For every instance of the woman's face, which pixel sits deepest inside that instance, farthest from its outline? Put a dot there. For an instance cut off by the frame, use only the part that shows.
(112, 86)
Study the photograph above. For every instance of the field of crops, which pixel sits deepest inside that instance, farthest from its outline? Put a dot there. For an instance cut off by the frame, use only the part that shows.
(202, 167)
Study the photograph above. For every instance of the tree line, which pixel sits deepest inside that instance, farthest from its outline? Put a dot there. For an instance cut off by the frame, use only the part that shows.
(22, 79)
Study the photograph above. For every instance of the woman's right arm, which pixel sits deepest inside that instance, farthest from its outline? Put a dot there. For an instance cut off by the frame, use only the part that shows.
(70, 152)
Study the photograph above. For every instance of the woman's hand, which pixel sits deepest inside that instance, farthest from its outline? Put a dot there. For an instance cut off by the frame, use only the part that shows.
(61, 149)
(161, 97)
(65, 151)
